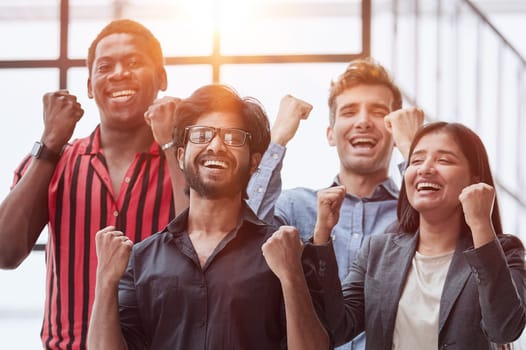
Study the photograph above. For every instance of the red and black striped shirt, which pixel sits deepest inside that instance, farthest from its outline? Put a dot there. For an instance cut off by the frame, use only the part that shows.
(81, 202)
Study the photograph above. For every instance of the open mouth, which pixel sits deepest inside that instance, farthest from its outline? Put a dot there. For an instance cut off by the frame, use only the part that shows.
(122, 94)
(366, 142)
(215, 164)
(427, 186)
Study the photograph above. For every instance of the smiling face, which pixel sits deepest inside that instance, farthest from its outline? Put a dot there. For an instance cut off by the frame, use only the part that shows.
(216, 170)
(124, 80)
(437, 172)
(364, 145)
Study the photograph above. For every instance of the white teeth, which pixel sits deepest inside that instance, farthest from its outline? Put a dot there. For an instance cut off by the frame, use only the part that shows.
(428, 186)
(123, 93)
(362, 140)
(215, 164)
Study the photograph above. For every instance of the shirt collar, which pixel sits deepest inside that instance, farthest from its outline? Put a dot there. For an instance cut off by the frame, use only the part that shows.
(179, 225)
(387, 187)
(92, 144)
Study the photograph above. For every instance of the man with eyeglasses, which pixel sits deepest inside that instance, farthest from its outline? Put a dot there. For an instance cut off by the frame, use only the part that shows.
(203, 282)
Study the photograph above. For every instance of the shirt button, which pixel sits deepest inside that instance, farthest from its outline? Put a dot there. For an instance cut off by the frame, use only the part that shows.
(322, 266)
(260, 189)
(274, 156)
(115, 213)
(355, 235)
(127, 180)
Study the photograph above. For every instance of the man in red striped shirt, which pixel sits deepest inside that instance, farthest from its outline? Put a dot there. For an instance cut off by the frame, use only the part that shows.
(118, 175)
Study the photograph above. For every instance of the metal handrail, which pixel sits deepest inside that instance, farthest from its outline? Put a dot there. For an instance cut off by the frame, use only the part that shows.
(503, 39)
(435, 18)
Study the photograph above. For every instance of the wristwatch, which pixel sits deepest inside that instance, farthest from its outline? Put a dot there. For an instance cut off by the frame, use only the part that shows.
(40, 151)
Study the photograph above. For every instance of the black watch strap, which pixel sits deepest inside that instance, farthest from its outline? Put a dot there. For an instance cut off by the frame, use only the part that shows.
(40, 151)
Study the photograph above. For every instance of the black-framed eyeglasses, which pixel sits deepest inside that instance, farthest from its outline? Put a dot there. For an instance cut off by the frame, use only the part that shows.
(200, 134)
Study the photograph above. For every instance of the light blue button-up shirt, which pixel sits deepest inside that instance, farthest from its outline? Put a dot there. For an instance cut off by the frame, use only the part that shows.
(359, 217)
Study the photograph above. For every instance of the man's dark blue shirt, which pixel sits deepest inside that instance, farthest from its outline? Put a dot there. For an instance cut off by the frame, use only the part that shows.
(168, 301)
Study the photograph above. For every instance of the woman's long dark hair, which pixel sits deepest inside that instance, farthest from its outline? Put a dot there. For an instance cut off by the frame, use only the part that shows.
(474, 151)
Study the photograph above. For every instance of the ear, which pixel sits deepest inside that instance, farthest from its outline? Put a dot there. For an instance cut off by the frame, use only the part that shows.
(255, 159)
(90, 95)
(163, 80)
(330, 136)
(180, 157)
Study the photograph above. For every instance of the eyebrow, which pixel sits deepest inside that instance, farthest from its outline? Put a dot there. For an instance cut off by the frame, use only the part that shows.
(440, 151)
(369, 105)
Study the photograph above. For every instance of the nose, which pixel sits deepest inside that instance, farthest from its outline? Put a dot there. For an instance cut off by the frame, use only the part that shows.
(216, 143)
(426, 167)
(120, 71)
(364, 120)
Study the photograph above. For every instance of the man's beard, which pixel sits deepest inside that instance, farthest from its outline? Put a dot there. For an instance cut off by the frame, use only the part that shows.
(237, 184)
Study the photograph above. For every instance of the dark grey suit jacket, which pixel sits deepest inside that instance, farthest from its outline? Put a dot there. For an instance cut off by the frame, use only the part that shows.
(483, 299)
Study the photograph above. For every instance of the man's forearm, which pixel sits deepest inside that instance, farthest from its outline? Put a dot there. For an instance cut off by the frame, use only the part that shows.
(178, 181)
(24, 213)
(304, 329)
(104, 329)
(264, 186)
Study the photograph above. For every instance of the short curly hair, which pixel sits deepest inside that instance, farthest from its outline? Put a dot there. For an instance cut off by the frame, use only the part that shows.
(128, 26)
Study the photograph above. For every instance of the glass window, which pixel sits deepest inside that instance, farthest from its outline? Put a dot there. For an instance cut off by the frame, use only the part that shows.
(22, 304)
(290, 27)
(488, 90)
(81, 34)
(22, 91)
(508, 116)
(184, 28)
(184, 79)
(33, 23)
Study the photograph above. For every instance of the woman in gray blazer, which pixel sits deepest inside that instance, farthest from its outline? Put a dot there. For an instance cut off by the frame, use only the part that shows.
(448, 279)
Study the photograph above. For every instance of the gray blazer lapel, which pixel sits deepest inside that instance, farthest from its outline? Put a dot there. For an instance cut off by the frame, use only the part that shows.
(457, 276)
(399, 258)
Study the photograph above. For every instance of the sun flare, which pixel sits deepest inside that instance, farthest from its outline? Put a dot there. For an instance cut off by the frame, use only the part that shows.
(224, 17)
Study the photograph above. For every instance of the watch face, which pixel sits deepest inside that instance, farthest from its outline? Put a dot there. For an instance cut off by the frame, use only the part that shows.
(40, 151)
(37, 148)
